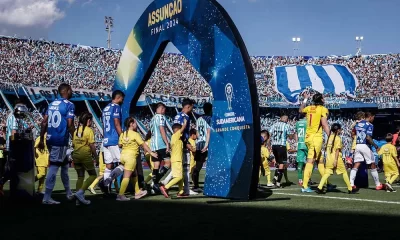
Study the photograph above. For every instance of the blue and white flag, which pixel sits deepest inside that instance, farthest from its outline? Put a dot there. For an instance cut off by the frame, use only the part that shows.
(291, 80)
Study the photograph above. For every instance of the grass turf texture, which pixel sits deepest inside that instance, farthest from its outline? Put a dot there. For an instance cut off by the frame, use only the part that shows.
(331, 216)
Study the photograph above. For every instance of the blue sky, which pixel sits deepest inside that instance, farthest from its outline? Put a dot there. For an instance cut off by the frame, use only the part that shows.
(326, 27)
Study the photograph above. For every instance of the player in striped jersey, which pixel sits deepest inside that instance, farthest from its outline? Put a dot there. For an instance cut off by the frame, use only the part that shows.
(203, 127)
(159, 143)
(279, 134)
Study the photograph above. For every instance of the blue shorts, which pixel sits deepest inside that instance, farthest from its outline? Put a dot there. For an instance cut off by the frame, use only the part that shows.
(58, 154)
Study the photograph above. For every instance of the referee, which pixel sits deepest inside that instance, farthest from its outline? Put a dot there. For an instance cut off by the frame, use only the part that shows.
(279, 134)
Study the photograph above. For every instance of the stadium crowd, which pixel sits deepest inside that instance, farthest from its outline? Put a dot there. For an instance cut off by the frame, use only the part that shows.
(47, 64)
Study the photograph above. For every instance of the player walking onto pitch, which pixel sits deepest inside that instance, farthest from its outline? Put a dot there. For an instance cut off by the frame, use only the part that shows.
(130, 141)
(302, 150)
(334, 160)
(391, 163)
(317, 119)
(265, 155)
(187, 107)
(279, 134)
(203, 127)
(159, 144)
(58, 122)
(364, 130)
(112, 125)
(83, 155)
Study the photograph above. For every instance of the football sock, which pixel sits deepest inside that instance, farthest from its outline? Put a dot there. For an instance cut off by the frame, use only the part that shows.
(375, 176)
(96, 181)
(107, 173)
(307, 174)
(321, 170)
(124, 185)
(65, 179)
(280, 174)
(347, 181)
(88, 182)
(285, 174)
(168, 178)
(135, 183)
(393, 178)
(268, 174)
(353, 175)
(300, 166)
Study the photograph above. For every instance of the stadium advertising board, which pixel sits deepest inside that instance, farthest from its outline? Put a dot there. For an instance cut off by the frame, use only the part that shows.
(38, 93)
(207, 37)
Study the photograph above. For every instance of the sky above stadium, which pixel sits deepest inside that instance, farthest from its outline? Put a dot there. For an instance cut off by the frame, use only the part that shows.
(325, 27)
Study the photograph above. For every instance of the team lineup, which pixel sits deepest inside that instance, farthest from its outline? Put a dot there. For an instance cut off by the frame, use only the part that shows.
(178, 160)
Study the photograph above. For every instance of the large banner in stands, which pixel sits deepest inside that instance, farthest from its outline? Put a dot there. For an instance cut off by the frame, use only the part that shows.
(174, 101)
(37, 93)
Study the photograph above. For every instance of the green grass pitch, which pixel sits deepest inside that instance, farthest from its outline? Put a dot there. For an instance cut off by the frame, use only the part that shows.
(286, 213)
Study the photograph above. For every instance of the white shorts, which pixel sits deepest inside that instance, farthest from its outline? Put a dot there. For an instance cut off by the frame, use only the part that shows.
(112, 154)
(364, 153)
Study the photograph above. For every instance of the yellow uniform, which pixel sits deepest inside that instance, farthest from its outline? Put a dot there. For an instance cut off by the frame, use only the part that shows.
(314, 139)
(334, 144)
(130, 142)
(42, 161)
(149, 163)
(176, 161)
(82, 155)
(192, 162)
(389, 154)
(264, 160)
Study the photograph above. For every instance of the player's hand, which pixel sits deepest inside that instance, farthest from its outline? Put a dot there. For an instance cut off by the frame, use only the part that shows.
(306, 94)
(154, 154)
(168, 148)
(205, 149)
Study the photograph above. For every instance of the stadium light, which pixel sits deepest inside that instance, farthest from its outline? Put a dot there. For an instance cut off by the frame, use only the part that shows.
(296, 41)
(109, 22)
(359, 39)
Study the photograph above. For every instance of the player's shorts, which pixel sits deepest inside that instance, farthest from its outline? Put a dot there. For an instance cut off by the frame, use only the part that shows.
(200, 156)
(58, 155)
(280, 153)
(364, 153)
(176, 169)
(340, 168)
(314, 146)
(128, 159)
(301, 156)
(87, 166)
(162, 155)
(390, 169)
(112, 154)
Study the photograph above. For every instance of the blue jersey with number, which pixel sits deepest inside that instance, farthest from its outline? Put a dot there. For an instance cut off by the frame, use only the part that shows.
(58, 114)
(111, 112)
(363, 129)
(180, 119)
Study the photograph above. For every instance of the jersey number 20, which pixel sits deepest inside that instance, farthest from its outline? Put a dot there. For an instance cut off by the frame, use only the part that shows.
(54, 119)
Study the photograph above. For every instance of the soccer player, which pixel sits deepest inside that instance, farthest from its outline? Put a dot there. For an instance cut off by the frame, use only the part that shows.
(302, 150)
(192, 141)
(83, 155)
(265, 157)
(334, 160)
(317, 119)
(177, 150)
(58, 122)
(279, 133)
(130, 141)
(203, 127)
(159, 144)
(187, 107)
(364, 130)
(391, 163)
(112, 125)
(359, 116)
(42, 162)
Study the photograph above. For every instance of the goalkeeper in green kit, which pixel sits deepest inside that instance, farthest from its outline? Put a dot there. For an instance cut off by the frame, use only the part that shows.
(302, 150)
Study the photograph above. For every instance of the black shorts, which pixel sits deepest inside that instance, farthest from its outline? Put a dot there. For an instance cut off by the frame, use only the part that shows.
(280, 153)
(162, 154)
(200, 156)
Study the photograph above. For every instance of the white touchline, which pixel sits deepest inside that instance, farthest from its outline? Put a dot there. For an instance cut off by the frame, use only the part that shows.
(340, 198)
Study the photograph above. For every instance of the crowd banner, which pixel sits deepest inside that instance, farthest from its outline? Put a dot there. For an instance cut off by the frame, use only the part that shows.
(77, 95)
(170, 100)
(291, 80)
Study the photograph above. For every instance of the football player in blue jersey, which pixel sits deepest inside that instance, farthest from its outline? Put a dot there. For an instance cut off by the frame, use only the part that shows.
(363, 152)
(112, 125)
(203, 127)
(58, 122)
(187, 107)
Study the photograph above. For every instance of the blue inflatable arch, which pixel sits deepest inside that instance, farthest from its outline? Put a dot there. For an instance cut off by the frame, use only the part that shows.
(205, 34)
